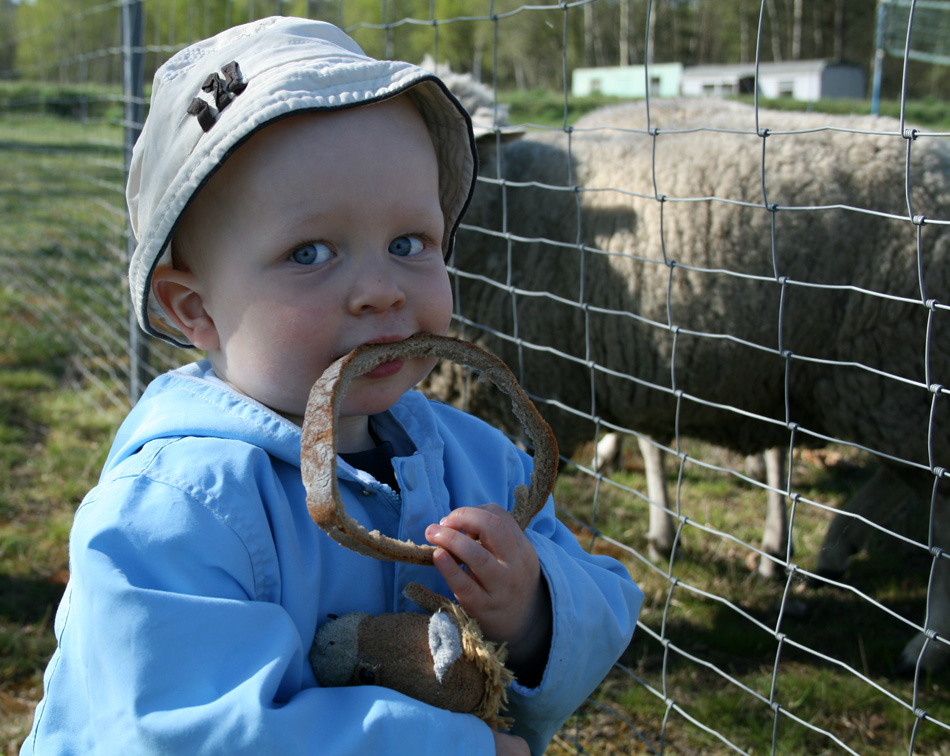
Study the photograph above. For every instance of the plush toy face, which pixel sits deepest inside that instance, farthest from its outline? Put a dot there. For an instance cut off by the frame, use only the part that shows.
(415, 654)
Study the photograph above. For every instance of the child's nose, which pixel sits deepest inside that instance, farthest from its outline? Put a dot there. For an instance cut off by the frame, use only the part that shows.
(376, 292)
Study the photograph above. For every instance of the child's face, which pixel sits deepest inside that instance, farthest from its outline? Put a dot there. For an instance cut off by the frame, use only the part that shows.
(322, 233)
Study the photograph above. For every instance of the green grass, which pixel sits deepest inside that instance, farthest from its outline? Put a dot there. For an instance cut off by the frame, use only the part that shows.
(712, 639)
(545, 108)
(931, 113)
(53, 439)
(55, 426)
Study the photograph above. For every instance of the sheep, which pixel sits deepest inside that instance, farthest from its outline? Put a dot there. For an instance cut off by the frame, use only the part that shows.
(581, 217)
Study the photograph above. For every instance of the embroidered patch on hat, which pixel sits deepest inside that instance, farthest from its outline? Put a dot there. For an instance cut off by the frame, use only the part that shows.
(222, 90)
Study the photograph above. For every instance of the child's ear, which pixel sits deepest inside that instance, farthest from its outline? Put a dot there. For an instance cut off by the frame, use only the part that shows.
(177, 293)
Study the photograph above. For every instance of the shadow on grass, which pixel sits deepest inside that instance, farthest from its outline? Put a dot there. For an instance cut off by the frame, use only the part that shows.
(29, 600)
(858, 624)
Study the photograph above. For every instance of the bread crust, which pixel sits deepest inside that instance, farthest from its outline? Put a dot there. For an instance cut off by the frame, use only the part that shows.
(319, 442)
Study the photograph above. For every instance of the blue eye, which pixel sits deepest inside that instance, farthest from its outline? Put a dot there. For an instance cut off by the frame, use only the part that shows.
(403, 246)
(311, 254)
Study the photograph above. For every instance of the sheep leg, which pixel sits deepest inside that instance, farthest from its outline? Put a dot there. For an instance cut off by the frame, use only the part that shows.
(937, 653)
(775, 538)
(608, 453)
(884, 493)
(661, 533)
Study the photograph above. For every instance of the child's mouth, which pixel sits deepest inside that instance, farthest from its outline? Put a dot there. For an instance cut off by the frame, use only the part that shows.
(386, 370)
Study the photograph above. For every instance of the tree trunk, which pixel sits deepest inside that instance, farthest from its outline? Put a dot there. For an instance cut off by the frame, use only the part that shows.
(744, 56)
(797, 30)
(624, 33)
(774, 31)
(839, 30)
(588, 35)
(651, 36)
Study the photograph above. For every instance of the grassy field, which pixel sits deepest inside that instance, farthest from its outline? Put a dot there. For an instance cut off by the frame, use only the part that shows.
(717, 639)
(718, 662)
(54, 426)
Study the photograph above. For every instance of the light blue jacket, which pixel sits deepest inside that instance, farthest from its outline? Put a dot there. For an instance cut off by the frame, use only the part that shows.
(198, 580)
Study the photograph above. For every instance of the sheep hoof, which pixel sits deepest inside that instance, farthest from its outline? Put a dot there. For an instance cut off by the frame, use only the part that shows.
(769, 568)
(935, 656)
(658, 552)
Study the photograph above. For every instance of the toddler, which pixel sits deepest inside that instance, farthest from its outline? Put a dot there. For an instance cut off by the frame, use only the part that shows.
(293, 199)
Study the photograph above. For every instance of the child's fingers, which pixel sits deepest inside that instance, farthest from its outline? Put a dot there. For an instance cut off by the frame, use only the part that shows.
(490, 566)
(466, 589)
(464, 548)
(491, 525)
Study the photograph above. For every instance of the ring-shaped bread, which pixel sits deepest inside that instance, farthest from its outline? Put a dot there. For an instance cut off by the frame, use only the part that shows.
(319, 443)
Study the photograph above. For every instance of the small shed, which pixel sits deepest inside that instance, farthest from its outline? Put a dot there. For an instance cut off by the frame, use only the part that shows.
(628, 81)
(806, 80)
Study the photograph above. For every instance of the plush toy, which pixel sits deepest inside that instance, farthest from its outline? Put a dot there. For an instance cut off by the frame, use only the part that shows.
(441, 657)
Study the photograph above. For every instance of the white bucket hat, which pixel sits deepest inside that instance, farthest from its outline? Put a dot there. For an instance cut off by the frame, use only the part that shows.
(210, 98)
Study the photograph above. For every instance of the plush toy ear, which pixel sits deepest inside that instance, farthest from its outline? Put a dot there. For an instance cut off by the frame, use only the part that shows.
(445, 644)
(487, 657)
(427, 599)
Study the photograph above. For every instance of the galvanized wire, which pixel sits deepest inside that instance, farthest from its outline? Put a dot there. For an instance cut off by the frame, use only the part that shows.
(96, 332)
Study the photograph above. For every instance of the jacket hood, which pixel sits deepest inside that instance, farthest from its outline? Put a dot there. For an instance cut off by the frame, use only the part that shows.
(191, 401)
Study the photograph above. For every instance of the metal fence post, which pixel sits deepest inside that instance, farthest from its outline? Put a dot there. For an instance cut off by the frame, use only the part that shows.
(133, 92)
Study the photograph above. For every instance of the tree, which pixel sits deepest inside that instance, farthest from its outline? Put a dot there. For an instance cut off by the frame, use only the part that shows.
(67, 41)
(79, 40)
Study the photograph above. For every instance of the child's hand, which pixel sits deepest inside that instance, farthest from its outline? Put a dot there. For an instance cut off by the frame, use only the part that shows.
(510, 745)
(494, 572)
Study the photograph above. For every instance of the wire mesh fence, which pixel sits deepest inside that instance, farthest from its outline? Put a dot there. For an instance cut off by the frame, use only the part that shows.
(709, 280)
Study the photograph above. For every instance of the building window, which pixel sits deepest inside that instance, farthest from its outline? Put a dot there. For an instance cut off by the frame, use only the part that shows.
(654, 85)
(709, 90)
(727, 88)
(595, 86)
(786, 89)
